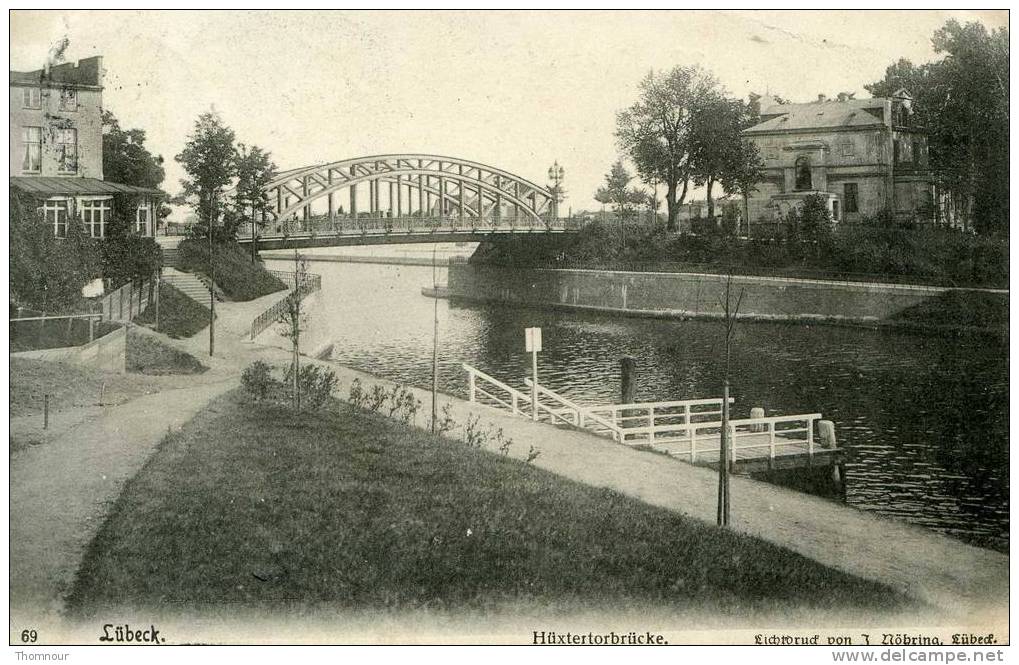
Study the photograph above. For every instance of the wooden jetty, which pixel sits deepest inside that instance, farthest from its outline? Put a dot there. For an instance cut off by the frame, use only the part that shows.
(689, 430)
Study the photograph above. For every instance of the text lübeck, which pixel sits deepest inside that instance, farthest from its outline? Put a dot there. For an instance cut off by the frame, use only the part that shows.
(127, 635)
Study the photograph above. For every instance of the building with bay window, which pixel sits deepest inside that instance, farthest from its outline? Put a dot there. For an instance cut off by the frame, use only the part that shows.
(56, 150)
(864, 157)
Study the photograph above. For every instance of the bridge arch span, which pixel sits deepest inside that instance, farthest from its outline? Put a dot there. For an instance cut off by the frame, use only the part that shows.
(417, 184)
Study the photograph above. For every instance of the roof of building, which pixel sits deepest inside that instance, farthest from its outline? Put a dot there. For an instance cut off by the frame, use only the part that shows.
(818, 115)
(85, 72)
(52, 186)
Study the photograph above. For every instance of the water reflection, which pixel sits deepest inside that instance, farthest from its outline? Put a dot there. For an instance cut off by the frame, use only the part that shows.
(924, 421)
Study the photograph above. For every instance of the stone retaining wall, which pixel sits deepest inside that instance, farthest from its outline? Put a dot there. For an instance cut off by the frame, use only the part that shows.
(688, 295)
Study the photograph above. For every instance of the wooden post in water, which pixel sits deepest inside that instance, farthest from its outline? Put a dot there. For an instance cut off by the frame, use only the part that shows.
(628, 381)
(45, 411)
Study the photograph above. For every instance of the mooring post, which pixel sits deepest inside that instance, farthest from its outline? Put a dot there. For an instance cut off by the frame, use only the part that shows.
(758, 412)
(46, 411)
(628, 381)
(826, 434)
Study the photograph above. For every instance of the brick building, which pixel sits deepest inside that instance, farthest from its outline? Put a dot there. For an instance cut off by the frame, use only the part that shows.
(864, 156)
(56, 146)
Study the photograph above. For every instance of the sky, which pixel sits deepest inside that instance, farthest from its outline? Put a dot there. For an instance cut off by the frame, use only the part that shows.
(515, 90)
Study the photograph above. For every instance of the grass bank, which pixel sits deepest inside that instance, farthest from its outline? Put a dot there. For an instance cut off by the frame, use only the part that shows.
(179, 315)
(148, 355)
(346, 509)
(236, 274)
(937, 257)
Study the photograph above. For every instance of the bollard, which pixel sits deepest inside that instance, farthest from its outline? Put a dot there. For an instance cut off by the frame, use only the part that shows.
(757, 412)
(826, 431)
(46, 411)
(102, 389)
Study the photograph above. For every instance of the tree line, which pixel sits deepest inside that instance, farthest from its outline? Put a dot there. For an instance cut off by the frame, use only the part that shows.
(685, 130)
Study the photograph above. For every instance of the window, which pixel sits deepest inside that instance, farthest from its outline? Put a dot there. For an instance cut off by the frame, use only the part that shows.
(31, 140)
(32, 98)
(835, 210)
(771, 152)
(55, 213)
(849, 196)
(68, 99)
(94, 213)
(141, 220)
(803, 173)
(847, 149)
(896, 151)
(917, 152)
(67, 150)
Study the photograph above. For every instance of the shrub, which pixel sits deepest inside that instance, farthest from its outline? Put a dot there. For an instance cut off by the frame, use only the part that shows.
(358, 397)
(314, 383)
(815, 218)
(258, 381)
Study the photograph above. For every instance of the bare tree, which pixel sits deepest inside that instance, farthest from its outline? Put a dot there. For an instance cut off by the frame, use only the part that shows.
(294, 321)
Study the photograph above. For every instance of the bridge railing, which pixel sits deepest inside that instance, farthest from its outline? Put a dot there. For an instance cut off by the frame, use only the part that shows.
(323, 227)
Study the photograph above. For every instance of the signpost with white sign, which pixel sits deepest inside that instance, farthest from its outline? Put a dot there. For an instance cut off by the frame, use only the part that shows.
(532, 343)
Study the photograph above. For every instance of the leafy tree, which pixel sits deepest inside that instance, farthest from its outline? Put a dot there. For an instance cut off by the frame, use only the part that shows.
(618, 193)
(127, 161)
(721, 155)
(255, 170)
(125, 158)
(210, 162)
(656, 132)
(962, 103)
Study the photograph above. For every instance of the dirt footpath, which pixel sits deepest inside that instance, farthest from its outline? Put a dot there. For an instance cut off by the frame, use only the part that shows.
(61, 491)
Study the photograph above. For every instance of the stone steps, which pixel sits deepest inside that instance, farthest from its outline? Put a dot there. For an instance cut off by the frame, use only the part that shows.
(188, 284)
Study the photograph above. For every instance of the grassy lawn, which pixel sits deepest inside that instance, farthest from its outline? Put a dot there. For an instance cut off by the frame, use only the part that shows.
(344, 509)
(148, 355)
(70, 386)
(179, 315)
(238, 277)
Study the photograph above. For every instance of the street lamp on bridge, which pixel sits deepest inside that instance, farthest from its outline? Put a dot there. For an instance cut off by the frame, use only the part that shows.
(556, 175)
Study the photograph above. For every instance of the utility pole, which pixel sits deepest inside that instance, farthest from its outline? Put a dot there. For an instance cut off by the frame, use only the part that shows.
(724, 442)
(212, 286)
(435, 344)
(297, 328)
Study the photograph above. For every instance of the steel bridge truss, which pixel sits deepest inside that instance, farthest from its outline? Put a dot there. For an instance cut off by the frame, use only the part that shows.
(422, 185)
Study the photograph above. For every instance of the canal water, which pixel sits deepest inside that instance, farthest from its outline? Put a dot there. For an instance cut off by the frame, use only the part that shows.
(924, 419)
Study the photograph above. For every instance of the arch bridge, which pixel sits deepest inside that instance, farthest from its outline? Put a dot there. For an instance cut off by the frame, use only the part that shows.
(402, 198)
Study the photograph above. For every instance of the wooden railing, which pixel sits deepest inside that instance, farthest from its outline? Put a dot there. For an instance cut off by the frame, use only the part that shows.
(646, 422)
(688, 429)
(308, 285)
(769, 435)
(571, 413)
(485, 389)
